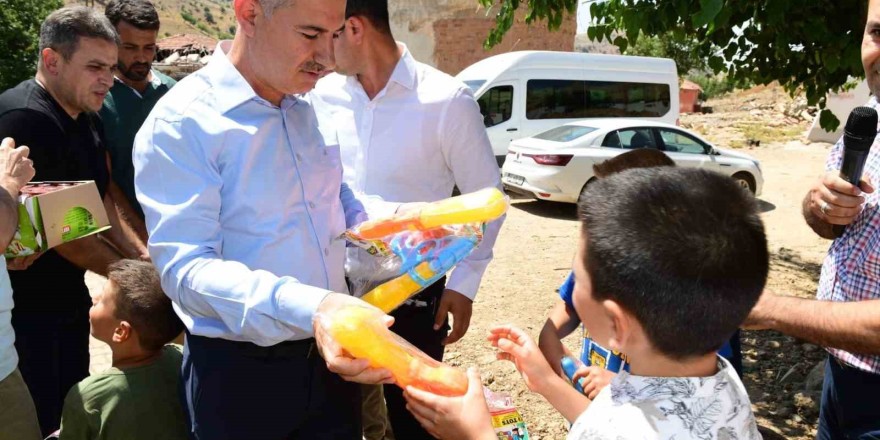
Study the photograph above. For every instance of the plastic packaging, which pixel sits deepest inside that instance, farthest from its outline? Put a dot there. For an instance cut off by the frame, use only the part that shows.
(361, 332)
(410, 251)
(506, 419)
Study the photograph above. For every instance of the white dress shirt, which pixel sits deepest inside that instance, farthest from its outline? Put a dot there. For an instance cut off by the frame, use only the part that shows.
(8, 355)
(244, 202)
(413, 142)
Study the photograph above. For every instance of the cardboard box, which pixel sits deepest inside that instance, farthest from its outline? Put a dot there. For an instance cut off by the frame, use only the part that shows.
(52, 213)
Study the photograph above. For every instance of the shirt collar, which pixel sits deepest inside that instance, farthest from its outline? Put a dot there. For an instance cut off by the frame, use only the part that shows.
(231, 88)
(156, 82)
(404, 72)
(627, 388)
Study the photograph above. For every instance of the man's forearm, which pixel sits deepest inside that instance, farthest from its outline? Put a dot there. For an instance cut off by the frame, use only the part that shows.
(850, 326)
(121, 234)
(90, 253)
(127, 213)
(821, 228)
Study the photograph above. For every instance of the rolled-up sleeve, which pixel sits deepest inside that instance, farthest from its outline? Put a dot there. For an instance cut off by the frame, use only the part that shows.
(178, 184)
(468, 153)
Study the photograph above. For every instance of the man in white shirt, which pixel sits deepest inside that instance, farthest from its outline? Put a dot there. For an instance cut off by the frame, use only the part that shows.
(244, 202)
(18, 417)
(409, 133)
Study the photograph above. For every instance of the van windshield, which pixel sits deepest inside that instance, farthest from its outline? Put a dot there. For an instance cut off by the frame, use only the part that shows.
(475, 84)
(565, 133)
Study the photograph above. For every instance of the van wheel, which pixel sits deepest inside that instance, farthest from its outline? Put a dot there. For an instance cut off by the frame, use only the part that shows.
(745, 181)
(583, 195)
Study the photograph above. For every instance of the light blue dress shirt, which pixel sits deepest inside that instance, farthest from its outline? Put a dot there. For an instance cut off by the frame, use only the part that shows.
(244, 203)
(8, 355)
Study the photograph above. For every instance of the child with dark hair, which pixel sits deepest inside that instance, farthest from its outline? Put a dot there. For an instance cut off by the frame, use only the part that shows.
(138, 397)
(599, 364)
(669, 264)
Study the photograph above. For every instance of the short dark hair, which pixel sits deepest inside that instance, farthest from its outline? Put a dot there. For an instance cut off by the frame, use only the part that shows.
(376, 11)
(141, 301)
(639, 158)
(62, 29)
(682, 249)
(138, 13)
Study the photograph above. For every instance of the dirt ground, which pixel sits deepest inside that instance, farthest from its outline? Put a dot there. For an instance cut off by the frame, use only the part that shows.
(535, 249)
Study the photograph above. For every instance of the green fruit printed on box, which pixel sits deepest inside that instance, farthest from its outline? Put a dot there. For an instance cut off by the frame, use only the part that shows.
(78, 221)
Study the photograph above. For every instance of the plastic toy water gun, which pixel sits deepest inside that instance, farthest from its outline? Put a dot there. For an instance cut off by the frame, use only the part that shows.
(361, 332)
(570, 365)
(480, 206)
(424, 262)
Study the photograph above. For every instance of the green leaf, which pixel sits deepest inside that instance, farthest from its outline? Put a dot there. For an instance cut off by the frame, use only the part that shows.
(621, 43)
(828, 121)
(708, 10)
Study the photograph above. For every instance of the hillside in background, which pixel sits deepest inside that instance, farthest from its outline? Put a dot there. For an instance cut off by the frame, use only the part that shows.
(214, 18)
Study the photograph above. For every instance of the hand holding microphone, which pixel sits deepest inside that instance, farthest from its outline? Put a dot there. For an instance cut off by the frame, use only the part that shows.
(837, 197)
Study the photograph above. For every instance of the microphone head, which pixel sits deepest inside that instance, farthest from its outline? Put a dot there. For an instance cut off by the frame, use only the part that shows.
(861, 129)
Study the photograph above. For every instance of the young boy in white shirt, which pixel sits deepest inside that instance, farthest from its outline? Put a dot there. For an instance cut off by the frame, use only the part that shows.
(662, 250)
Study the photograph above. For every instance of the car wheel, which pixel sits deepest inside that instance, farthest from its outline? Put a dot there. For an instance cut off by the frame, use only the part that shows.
(745, 181)
(582, 197)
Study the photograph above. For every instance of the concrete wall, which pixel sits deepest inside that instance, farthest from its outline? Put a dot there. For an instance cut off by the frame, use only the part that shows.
(449, 34)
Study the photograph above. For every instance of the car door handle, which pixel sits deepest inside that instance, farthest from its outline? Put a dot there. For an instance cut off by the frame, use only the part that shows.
(511, 129)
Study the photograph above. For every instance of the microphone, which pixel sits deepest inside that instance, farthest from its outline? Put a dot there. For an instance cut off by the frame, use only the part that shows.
(858, 136)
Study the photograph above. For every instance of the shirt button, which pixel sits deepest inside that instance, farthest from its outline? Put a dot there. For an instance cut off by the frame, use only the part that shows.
(299, 157)
(326, 252)
(312, 205)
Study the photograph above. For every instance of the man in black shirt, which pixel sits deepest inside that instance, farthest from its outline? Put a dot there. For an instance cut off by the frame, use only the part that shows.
(54, 114)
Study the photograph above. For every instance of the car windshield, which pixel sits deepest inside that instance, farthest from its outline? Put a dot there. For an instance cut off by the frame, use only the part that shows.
(565, 133)
(475, 84)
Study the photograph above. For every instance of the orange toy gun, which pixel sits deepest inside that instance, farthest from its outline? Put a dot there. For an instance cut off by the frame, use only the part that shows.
(360, 332)
(476, 207)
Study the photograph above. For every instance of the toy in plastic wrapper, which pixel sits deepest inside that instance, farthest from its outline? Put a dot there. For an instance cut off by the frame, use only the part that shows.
(413, 250)
(506, 419)
(361, 332)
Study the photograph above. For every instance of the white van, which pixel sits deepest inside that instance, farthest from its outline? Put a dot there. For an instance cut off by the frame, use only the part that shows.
(528, 92)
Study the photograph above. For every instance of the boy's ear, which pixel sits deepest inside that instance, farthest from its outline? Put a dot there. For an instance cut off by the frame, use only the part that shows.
(622, 325)
(122, 332)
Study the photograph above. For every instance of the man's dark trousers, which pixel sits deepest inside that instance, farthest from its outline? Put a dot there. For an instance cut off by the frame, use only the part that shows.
(850, 406)
(238, 390)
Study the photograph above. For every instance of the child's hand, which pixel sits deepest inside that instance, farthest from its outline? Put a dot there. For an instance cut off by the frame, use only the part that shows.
(518, 347)
(453, 417)
(595, 378)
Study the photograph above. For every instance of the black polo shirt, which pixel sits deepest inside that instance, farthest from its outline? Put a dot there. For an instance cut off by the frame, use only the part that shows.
(62, 149)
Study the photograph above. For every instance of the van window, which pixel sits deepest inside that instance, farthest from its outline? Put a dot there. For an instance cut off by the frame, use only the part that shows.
(565, 99)
(496, 105)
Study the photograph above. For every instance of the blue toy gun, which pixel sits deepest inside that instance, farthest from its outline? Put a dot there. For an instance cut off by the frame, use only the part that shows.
(569, 366)
(422, 265)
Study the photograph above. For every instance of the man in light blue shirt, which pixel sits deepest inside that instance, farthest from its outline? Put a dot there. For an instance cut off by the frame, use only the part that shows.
(18, 417)
(244, 203)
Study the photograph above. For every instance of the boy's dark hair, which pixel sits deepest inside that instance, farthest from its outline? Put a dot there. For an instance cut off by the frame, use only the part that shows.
(682, 249)
(640, 158)
(141, 301)
(138, 13)
(376, 11)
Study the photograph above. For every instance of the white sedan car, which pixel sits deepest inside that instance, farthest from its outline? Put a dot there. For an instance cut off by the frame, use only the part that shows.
(557, 164)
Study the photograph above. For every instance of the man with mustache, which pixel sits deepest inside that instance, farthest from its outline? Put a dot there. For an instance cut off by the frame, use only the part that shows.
(845, 316)
(136, 89)
(55, 115)
(244, 203)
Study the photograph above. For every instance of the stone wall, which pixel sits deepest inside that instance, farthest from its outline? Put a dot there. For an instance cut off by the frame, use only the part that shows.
(449, 34)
